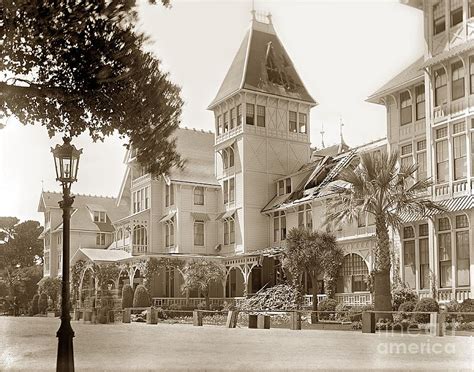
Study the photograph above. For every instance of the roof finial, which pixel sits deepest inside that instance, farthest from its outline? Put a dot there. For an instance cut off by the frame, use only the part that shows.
(322, 136)
(42, 185)
(269, 17)
(253, 12)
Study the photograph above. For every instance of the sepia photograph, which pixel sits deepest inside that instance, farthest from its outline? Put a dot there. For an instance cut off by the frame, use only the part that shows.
(236, 185)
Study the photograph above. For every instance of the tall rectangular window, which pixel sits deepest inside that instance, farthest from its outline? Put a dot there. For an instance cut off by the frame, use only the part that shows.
(460, 162)
(424, 256)
(445, 269)
(288, 185)
(199, 233)
(303, 123)
(226, 121)
(439, 21)
(462, 257)
(405, 108)
(471, 73)
(239, 115)
(226, 191)
(456, 12)
(169, 195)
(199, 195)
(442, 161)
(231, 231)
(420, 102)
(440, 87)
(457, 80)
(169, 233)
(250, 114)
(421, 172)
(292, 121)
(472, 154)
(233, 118)
(260, 116)
(281, 187)
(231, 190)
(409, 262)
(219, 124)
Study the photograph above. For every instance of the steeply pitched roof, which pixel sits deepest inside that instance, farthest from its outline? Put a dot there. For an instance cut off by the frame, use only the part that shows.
(197, 149)
(263, 65)
(84, 206)
(408, 75)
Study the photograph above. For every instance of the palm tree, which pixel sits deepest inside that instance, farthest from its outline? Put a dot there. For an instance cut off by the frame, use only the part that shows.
(380, 187)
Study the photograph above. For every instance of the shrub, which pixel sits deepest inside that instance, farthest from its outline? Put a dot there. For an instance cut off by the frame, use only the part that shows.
(401, 295)
(42, 303)
(343, 312)
(428, 305)
(102, 315)
(327, 305)
(216, 307)
(34, 304)
(141, 298)
(467, 306)
(127, 296)
(408, 306)
(201, 306)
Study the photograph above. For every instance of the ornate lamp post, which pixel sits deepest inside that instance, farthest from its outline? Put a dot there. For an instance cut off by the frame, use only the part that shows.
(66, 161)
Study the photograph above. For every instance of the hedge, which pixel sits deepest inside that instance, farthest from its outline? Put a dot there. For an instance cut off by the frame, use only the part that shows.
(43, 303)
(141, 298)
(127, 296)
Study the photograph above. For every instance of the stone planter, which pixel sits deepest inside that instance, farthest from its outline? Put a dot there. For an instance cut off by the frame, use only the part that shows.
(151, 317)
(295, 321)
(253, 321)
(126, 316)
(197, 318)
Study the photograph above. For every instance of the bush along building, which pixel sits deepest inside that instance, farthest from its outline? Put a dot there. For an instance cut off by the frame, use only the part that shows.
(430, 121)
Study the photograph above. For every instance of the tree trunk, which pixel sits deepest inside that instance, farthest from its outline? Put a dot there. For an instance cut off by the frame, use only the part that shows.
(314, 285)
(206, 296)
(382, 285)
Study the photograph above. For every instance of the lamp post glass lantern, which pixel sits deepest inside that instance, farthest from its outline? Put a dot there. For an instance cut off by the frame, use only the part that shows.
(66, 162)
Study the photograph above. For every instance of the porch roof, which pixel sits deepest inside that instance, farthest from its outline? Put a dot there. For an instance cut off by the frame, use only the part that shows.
(100, 255)
(450, 205)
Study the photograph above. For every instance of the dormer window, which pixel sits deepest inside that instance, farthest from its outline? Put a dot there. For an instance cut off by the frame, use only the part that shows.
(100, 216)
(284, 187)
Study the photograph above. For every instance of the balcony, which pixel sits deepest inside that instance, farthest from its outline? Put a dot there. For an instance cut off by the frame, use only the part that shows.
(142, 180)
(347, 233)
(229, 134)
(453, 189)
(440, 113)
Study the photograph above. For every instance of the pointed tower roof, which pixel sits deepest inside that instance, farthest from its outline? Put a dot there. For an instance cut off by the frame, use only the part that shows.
(263, 65)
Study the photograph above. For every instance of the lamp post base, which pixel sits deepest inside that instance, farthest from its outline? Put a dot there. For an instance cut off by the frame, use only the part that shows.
(65, 360)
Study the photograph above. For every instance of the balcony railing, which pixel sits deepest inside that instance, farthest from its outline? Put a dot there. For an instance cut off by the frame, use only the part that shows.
(194, 301)
(359, 299)
(139, 249)
(230, 133)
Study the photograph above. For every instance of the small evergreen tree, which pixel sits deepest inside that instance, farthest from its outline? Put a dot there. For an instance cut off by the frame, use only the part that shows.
(34, 304)
(141, 297)
(127, 296)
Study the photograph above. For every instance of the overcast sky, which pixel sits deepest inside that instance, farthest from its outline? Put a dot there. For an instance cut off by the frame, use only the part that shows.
(343, 51)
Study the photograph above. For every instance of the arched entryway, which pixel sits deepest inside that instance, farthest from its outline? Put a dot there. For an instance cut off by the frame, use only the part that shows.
(353, 275)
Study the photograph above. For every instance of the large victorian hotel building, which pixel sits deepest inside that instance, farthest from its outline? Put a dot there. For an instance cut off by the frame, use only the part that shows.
(245, 186)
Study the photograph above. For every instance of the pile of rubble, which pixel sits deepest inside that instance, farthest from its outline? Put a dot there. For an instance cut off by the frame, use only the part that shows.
(279, 297)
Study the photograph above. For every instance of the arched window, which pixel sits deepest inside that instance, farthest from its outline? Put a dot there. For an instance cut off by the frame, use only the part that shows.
(139, 235)
(169, 233)
(352, 275)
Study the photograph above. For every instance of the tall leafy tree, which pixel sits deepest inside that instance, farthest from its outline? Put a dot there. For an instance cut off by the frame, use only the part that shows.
(80, 66)
(379, 186)
(314, 253)
(198, 275)
(21, 256)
